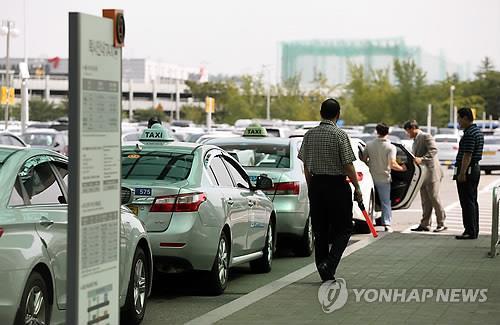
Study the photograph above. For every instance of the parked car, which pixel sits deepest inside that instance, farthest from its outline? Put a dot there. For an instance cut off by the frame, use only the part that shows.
(10, 139)
(47, 139)
(491, 154)
(33, 242)
(200, 209)
(404, 187)
(447, 145)
(277, 158)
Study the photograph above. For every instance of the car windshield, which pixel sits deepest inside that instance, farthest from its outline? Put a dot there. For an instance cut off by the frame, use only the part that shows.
(492, 140)
(165, 166)
(259, 154)
(39, 139)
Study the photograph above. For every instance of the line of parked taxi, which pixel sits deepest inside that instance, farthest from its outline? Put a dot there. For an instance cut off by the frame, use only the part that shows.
(204, 207)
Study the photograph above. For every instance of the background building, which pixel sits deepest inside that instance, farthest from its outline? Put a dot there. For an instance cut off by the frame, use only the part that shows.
(331, 58)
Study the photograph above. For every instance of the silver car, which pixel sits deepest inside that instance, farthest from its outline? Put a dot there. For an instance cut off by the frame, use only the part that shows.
(200, 209)
(33, 242)
(277, 158)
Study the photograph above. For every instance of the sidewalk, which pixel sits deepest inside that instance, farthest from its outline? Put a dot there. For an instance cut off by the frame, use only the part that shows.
(398, 261)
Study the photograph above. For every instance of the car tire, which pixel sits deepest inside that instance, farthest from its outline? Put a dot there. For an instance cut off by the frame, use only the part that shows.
(487, 171)
(305, 246)
(219, 275)
(264, 263)
(138, 286)
(35, 304)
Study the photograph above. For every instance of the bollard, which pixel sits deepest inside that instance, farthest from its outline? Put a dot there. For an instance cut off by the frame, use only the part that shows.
(494, 222)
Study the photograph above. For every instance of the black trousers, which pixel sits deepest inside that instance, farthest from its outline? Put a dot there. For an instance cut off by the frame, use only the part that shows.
(467, 194)
(330, 199)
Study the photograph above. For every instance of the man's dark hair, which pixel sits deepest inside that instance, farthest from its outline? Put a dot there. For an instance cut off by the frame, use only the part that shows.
(153, 120)
(410, 125)
(466, 112)
(330, 108)
(382, 129)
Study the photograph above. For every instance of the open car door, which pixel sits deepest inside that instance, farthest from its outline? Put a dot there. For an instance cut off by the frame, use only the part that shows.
(406, 185)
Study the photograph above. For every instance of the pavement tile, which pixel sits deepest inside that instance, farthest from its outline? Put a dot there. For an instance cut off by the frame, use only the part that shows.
(396, 261)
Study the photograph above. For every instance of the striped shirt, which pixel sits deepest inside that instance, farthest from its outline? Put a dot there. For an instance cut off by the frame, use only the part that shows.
(326, 149)
(472, 142)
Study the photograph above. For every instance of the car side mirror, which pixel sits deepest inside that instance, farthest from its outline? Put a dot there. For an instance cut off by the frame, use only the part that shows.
(263, 182)
(127, 196)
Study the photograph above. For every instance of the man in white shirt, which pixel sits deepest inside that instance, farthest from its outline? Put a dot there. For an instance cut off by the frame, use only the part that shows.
(380, 155)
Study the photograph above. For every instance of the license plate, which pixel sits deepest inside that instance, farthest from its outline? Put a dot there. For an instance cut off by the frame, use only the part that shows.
(489, 153)
(143, 191)
(134, 209)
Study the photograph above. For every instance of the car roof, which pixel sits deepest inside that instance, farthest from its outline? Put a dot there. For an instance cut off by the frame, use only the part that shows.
(167, 146)
(7, 151)
(236, 140)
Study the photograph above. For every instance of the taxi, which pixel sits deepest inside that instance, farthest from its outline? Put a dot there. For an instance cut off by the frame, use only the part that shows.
(33, 242)
(200, 209)
(260, 153)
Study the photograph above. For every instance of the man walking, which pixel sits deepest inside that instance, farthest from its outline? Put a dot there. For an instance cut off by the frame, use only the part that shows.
(467, 172)
(327, 155)
(380, 155)
(425, 151)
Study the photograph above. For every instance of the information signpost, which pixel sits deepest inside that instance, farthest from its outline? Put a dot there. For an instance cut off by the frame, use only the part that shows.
(94, 169)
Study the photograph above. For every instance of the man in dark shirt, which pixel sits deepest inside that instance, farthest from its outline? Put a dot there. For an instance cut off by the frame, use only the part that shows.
(328, 157)
(467, 172)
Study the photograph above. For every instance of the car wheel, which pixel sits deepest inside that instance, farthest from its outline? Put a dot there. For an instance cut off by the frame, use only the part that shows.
(135, 303)
(219, 274)
(305, 246)
(35, 305)
(263, 264)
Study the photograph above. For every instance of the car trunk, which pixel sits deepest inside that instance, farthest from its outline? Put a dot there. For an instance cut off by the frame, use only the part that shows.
(278, 175)
(145, 194)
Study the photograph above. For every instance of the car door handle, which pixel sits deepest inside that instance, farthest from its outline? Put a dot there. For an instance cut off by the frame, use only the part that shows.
(46, 222)
(230, 202)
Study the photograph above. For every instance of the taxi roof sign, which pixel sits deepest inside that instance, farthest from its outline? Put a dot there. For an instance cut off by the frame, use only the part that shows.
(156, 135)
(255, 130)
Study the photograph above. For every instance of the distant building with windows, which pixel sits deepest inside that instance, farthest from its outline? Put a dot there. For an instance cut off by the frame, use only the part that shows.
(331, 58)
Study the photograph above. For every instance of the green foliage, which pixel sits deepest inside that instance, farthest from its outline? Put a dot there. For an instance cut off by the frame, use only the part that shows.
(41, 110)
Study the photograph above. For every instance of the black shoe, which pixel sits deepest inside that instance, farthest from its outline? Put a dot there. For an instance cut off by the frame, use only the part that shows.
(420, 228)
(465, 236)
(324, 272)
(440, 228)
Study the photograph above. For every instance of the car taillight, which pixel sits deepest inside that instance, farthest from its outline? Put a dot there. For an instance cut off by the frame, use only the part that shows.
(189, 202)
(288, 188)
(455, 148)
(1, 232)
(359, 176)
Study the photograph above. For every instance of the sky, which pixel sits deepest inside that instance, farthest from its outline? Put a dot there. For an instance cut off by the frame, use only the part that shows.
(238, 37)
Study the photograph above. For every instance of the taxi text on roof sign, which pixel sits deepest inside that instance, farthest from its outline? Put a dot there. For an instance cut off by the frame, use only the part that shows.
(255, 130)
(156, 134)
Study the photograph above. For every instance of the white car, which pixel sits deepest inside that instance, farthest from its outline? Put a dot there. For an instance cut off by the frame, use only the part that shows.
(447, 145)
(491, 154)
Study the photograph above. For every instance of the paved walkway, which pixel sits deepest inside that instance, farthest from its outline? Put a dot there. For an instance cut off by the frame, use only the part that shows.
(397, 261)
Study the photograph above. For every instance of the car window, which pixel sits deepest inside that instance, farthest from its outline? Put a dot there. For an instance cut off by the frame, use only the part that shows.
(491, 140)
(39, 139)
(167, 166)
(62, 169)
(16, 142)
(237, 175)
(16, 197)
(39, 183)
(221, 173)
(259, 154)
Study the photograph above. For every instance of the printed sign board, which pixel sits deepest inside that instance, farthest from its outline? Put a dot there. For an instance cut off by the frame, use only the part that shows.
(95, 171)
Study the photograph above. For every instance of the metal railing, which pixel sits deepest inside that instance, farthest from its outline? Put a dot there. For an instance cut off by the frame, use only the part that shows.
(494, 222)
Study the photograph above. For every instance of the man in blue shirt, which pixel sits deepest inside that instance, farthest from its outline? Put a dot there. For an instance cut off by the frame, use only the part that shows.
(467, 172)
